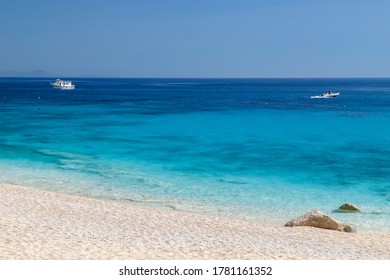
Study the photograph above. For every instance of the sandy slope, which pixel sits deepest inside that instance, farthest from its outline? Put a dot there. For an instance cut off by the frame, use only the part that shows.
(36, 224)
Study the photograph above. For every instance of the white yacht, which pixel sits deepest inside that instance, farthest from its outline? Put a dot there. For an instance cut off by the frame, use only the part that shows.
(328, 94)
(60, 84)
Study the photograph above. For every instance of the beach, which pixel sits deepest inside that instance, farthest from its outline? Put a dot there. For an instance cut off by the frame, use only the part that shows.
(36, 224)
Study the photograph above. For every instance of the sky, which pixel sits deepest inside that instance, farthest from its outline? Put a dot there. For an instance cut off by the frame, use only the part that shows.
(197, 38)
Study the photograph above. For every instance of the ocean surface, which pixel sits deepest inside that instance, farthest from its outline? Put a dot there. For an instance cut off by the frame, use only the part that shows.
(257, 149)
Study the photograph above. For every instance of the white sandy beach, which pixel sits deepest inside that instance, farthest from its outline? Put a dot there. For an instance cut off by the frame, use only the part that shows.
(36, 224)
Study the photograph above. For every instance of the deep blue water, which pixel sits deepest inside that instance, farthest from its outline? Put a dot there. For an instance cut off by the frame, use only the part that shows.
(248, 148)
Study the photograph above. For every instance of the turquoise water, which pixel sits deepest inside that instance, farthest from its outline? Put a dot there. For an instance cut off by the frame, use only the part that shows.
(257, 149)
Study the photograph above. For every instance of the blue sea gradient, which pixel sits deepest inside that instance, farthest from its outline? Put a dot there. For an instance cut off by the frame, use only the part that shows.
(257, 149)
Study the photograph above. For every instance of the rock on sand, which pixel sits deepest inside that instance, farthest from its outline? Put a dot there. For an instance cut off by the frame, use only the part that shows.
(318, 219)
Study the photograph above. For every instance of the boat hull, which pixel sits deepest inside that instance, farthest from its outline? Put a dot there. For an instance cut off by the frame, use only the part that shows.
(64, 87)
(326, 95)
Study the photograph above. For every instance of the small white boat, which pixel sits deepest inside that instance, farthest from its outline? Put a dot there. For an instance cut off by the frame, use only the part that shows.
(60, 84)
(328, 94)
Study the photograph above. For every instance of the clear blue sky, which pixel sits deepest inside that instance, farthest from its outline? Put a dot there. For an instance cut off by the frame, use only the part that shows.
(198, 38)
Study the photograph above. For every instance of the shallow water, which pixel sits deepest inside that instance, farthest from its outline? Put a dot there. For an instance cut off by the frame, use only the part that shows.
(249, 148)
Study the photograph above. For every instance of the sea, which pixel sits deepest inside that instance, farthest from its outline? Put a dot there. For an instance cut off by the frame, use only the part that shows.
(254, 149)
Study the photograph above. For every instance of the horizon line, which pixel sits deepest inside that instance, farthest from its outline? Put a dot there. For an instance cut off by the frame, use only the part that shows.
(126, 77)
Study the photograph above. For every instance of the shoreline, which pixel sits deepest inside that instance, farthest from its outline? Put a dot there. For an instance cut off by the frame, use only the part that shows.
(37, 224)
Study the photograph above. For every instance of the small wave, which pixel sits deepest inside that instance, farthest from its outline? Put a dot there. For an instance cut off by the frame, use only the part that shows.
(232, 182)
(61, 154)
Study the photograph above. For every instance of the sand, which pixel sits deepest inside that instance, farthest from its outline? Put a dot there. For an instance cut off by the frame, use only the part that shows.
(36, 224)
